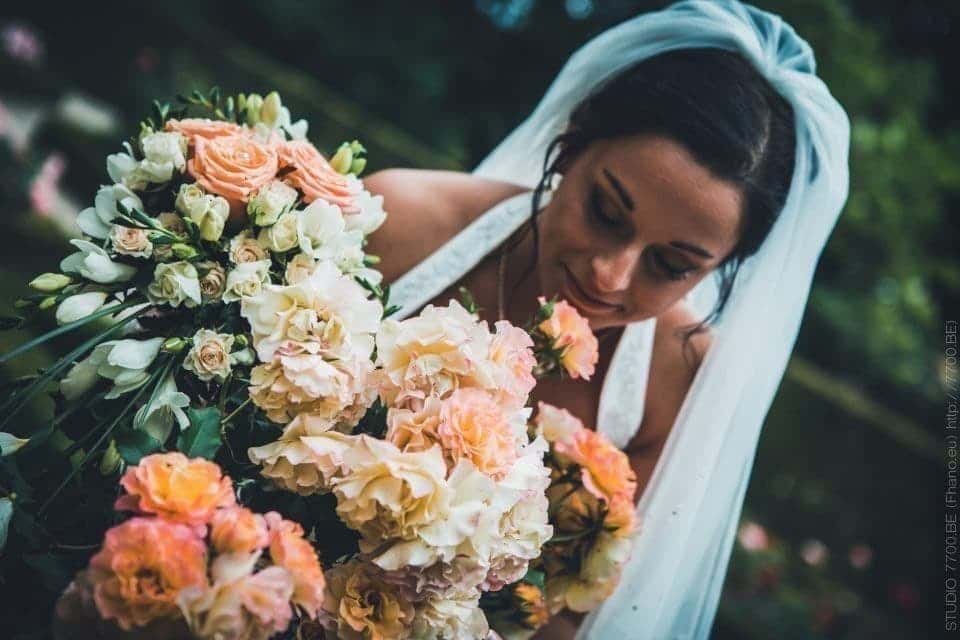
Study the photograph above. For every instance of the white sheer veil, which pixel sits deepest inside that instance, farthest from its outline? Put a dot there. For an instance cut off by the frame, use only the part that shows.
(691, 506)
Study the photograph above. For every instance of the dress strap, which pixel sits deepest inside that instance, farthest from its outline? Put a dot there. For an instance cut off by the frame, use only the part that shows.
(460, 254)
(623, 396)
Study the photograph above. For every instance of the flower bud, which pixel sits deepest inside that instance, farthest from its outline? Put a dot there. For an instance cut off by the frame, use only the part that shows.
(50, 282)
(342, 160)
(252, 105)
(245, 357)
(174, 345)
(183, 251)
(359, 164)
(241, 340)
(111, 460)
(47, 303)
(79, 306)
(270, 110)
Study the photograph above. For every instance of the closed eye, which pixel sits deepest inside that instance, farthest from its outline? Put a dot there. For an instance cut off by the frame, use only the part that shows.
(596, 209)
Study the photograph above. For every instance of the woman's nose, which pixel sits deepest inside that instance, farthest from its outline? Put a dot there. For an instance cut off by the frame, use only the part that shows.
(612, 272)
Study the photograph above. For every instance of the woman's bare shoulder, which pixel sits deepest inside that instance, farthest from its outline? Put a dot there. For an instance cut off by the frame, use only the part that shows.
(425, 208)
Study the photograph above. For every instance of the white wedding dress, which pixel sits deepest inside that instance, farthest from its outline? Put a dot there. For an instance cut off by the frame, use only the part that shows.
(690, 508)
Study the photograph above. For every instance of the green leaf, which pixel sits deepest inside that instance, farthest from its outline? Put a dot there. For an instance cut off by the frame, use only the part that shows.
(202, 437)
(534, 577)
(134, 444)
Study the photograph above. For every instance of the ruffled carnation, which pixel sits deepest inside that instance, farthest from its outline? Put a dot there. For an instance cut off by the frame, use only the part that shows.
(141, 569)
(512, 350)
(605, 470)
(360, 604)
(177, 488)
(290, 550)
(571, 335)
(238, 530)
(474, 427)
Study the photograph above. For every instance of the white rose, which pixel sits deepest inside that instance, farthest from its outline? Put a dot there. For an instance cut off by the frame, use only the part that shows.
(281, 236)
(96, 221)
(175, 283)
(80, 306)
(246, 279)
(209, 356)
(130, 241)
(272, 200)
(245, 248)
(191, 200)
(93, 263)
(215, 217)
(299, 268)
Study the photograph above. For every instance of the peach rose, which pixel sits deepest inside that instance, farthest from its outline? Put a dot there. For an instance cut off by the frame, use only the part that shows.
(205, 128)
(177, 488)
(290, 550)
(142, 567)
(473, 426)
(238, 530)
(314, 176)
(572, 336)
(233, 166)
(605, 470)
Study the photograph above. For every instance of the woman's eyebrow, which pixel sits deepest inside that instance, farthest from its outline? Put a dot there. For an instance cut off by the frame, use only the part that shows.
(624, 196)
(691, 248)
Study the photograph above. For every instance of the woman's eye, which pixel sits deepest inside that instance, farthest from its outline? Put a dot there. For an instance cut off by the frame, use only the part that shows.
(596, 208)
(672, 271)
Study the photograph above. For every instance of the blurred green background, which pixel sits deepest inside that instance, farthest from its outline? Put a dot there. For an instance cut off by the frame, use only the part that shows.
(841, 529)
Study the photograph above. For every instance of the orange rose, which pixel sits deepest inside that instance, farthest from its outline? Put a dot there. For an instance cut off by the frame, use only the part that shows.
(194, 128)
(176, 488)
(290, 550)
(605, 470)
(143, 565)
(314, 176)
(572, 336)
(232, 166)
(238, 530)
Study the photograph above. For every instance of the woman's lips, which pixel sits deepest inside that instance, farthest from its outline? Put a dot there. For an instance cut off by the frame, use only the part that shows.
(574, 290)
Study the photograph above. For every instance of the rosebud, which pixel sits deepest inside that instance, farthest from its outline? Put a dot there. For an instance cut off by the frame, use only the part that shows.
(183, 251)
(50, 282)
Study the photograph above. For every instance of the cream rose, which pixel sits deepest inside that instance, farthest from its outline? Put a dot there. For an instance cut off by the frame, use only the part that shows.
(245, 248)
(175, 283)
(246, 279)
(281, 236)
(213, 280)
(130, 241)
(209, 356)
(208, 212)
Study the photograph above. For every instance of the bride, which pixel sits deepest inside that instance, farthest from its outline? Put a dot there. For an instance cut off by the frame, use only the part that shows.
(677, 185)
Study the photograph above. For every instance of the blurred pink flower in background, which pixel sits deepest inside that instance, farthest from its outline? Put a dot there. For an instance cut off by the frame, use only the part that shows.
(860, 556)
(753, 537)
(22, 43)
(814, 553)
(45, 186)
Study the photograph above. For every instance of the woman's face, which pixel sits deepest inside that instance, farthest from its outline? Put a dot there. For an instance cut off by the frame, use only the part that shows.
(633, 226)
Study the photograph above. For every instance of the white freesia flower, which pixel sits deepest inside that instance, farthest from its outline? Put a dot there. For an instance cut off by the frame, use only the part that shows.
(322, 231)
(246, 279)
(96, 221)
(157, 418)
(122, 166)
(371, 214)
(327, 308)
(164, 152)
(80, 306)
(10, 444)
(209, 355)
(124, 362)
(281, 236)
(175, 283)
(270, 202)
(94, 264)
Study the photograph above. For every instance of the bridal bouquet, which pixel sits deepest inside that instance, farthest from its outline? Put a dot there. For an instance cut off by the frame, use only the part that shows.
(229, 312)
